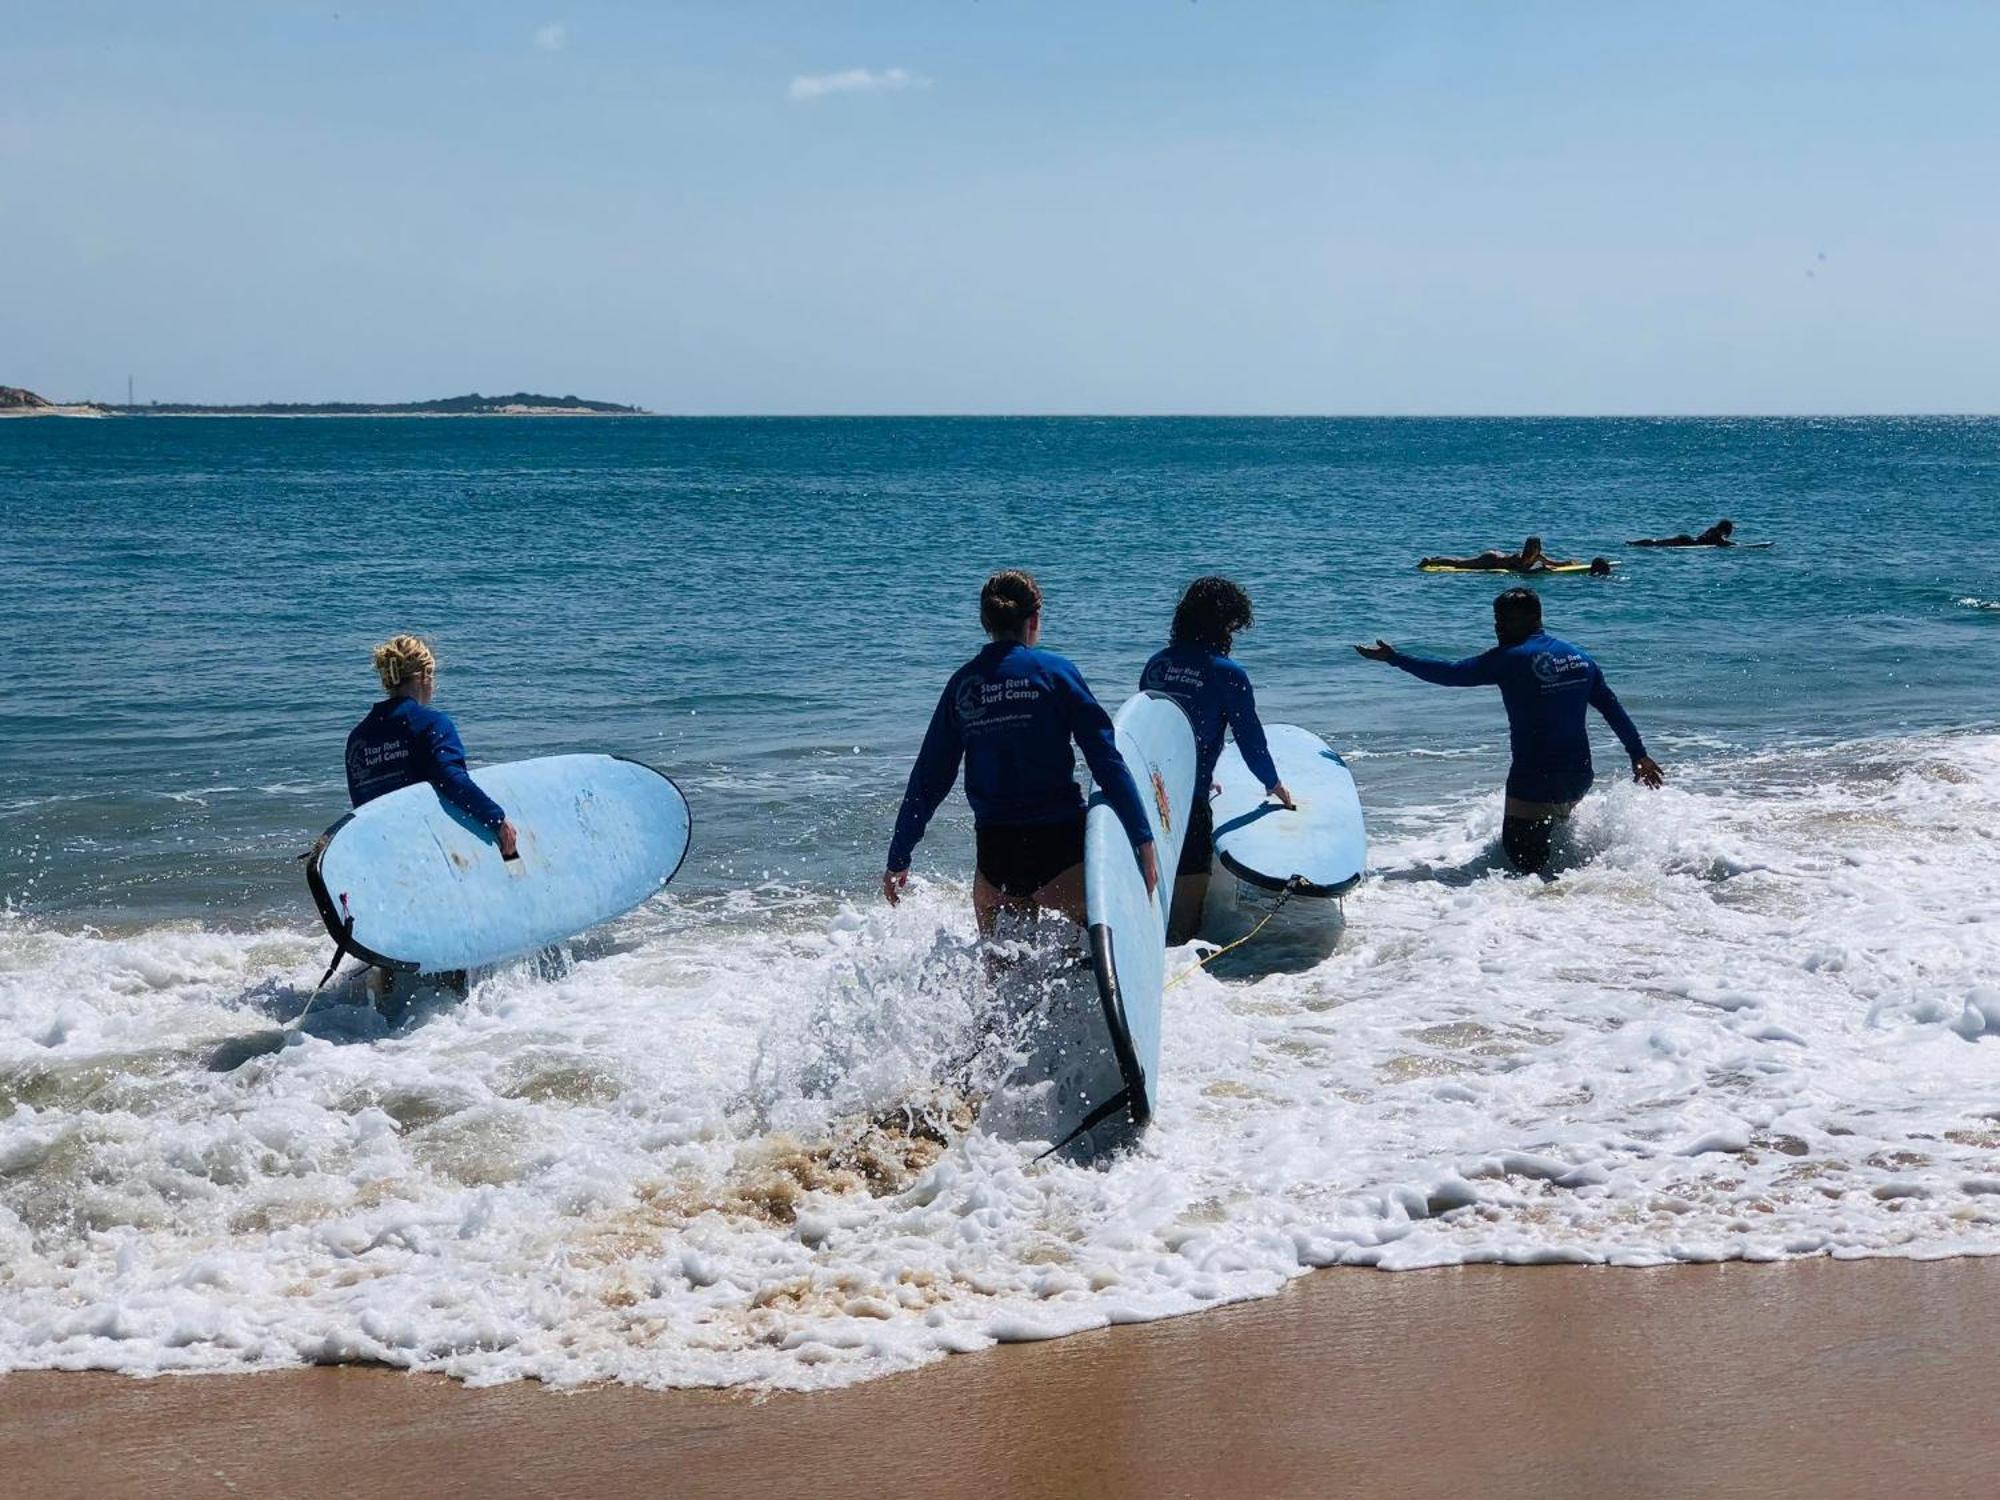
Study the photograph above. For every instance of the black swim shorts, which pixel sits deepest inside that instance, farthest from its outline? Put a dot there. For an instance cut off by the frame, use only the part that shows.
(1020, 858)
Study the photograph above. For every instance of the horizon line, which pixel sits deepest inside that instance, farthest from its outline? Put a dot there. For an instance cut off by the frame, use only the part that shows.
(1206, 416)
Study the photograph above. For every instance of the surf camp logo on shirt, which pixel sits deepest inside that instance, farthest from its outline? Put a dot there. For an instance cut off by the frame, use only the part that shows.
(368, 763)
(986, 704)
(1174, 679)
(1559, 669)
(967, 705)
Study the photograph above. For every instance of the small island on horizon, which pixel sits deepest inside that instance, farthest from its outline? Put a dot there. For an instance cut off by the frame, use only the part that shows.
(17, 401)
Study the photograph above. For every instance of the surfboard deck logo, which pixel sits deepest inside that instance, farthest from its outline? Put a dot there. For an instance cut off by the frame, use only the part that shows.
(1162, 801)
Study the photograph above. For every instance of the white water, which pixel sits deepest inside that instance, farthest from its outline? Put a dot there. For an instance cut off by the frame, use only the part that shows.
(1761, 1019)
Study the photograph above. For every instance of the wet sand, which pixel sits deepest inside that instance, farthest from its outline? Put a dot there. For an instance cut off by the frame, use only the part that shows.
(1824, 1379)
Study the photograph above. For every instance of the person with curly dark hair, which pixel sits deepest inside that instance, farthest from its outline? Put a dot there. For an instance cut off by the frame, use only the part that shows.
(1197, 672)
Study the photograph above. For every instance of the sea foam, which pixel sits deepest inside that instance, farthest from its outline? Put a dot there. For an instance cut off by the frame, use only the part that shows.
(1754, 1018)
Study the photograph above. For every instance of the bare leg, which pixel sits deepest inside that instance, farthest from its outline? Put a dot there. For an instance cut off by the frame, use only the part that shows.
(1520, 807)
(1064, 895)
(988, 901)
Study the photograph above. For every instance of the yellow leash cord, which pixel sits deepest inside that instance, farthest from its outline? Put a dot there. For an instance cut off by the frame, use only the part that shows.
(1208, 958)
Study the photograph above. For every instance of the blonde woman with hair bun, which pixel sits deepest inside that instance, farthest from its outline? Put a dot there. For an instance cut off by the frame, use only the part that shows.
(403, 741)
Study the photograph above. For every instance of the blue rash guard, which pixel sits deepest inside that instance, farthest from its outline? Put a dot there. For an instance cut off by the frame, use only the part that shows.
(401, 743)
(1215, 691)
(1010, 714)
(1546, 684)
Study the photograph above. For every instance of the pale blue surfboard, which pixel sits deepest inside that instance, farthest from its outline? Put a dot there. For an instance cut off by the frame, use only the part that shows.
(1316, 850)
(1109, 1083)
(425, 888)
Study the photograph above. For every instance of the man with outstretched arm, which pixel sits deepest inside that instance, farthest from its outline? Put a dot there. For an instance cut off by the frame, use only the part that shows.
(1547, 685)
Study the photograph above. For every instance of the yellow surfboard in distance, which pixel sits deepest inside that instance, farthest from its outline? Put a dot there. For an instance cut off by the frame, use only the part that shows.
(1579, 567)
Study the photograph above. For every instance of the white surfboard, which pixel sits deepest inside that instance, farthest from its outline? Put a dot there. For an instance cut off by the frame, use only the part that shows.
(1269, 859)
(1318, 848)
(1102, 1049)
(408, 882)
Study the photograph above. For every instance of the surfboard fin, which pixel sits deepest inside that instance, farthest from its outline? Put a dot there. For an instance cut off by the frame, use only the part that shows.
(1120, 1100)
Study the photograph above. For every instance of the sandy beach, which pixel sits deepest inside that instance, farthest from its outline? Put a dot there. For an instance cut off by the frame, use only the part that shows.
(1817, 1378)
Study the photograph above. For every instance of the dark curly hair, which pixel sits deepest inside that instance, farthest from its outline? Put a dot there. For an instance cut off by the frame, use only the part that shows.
(1210, 613)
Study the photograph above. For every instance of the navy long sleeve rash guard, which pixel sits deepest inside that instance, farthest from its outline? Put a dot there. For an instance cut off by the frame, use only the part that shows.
(403, 742)
(1546, 684)
(1010, 714)
(1215, 691)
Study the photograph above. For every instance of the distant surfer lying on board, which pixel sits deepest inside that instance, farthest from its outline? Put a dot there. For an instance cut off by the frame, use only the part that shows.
(1716, 536)
(1530, 559)
(1546, 685)
(1010, 714)
(1195, 670)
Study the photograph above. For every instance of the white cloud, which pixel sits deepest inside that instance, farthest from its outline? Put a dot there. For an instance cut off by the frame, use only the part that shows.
(809, 86)
(551, 38)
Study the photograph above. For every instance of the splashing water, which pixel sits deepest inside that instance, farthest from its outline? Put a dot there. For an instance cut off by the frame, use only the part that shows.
(733, 1141)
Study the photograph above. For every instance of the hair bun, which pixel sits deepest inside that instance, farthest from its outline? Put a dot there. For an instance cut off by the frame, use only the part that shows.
(404, 658)
(1009, 600)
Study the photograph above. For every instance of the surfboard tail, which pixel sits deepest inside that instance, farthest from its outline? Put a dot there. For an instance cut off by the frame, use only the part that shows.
(1104, 961)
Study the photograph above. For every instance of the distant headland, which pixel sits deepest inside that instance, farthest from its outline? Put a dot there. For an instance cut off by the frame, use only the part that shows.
(15, 401)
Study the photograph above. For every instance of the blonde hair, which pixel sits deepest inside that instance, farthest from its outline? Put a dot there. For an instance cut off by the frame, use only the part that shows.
(403, 658)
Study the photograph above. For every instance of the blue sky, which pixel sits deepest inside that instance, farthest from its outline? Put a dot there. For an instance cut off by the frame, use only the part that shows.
(980, 205)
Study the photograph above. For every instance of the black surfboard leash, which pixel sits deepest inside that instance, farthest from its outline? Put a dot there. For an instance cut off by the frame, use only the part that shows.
(341, 939)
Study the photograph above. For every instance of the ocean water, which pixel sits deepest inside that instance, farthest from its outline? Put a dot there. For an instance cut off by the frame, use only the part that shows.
(1757, 1016)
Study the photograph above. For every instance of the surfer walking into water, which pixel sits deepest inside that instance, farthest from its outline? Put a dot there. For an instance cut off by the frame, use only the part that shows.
(1197, 672)
(1547, 685)
(1717, 535)
(1530, 559)
(403, 741)
(1010, 715)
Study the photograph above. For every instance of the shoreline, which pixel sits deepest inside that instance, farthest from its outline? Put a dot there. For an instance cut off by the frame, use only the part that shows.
(321, 416)
(1816, 1377)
